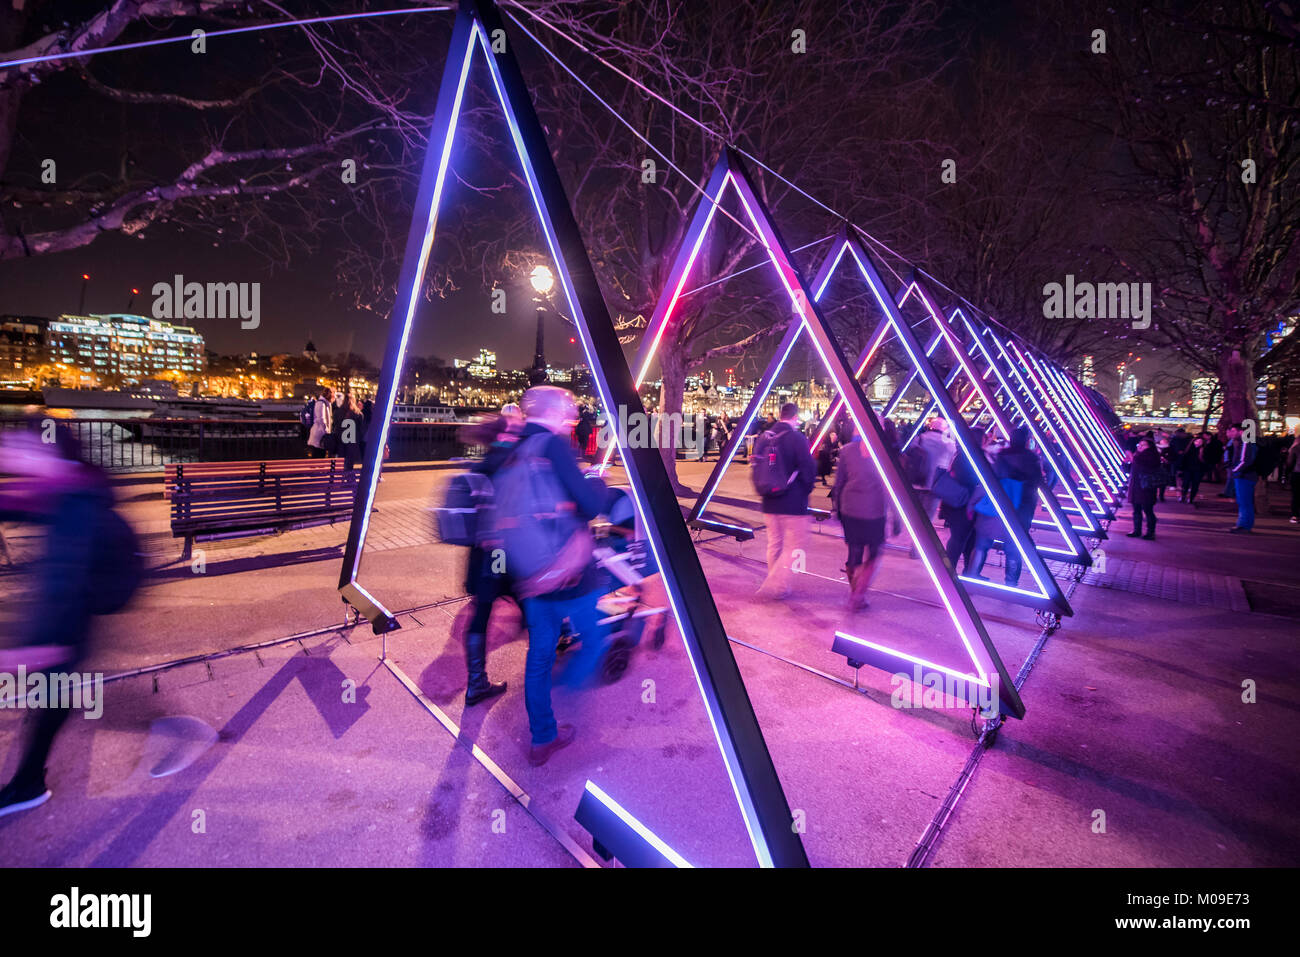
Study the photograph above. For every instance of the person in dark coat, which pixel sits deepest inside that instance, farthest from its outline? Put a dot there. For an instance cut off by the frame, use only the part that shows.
(860, 504)
(826, 454)
(1145, 475)
(1020, 475)
(79, 564)
(483, 581)
(1191, 468)
(961, 523)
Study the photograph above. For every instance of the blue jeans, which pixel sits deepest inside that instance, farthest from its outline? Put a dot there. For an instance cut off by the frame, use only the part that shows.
(1245, 502)
(545, 615)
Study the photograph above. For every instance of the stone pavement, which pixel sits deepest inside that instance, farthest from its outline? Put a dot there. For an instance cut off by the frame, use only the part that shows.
(1134, 708)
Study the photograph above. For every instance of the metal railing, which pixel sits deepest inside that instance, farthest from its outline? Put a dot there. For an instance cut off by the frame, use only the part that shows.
(143, 445)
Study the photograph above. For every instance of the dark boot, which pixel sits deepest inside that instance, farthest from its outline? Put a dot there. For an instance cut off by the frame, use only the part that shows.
(479, 688)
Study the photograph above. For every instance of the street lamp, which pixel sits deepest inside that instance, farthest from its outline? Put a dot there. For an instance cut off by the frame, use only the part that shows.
(543, 280)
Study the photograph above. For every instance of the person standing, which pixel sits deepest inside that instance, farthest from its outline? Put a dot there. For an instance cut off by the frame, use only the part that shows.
(858, 497)
(1292, 472)
(826, 457)
(350, 429)
(1243, 475)
(1145, 475)
(322, 425)
(1191, 468)
(782, 454)
(939, 450)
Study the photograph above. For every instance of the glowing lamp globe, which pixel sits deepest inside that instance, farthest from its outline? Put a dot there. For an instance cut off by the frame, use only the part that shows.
(542, 279)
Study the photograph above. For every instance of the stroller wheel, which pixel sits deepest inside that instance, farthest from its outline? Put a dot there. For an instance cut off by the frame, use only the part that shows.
(615, 661)
(660, 629)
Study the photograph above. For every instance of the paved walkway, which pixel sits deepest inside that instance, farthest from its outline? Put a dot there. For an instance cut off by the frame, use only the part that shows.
(1135, 709)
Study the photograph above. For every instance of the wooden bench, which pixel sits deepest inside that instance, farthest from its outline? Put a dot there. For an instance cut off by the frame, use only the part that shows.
(238, 470)
(257, 502)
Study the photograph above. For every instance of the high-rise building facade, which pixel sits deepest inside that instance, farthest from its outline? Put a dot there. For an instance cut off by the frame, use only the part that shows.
(122, 348)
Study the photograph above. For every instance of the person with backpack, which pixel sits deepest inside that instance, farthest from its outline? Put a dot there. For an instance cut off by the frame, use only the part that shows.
(321, 434)
(542, 506)
(90, 566)
(783, 472)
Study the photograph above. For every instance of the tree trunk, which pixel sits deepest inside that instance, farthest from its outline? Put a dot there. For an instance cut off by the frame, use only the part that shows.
(672, 364)
(1237, 387)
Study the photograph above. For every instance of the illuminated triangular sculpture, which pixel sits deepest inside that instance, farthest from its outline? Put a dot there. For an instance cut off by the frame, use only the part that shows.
(968, 350)
(1090, 475)
(989, 671)
(763, 805)
(1044, 592)
(1016, 412)
(1072, 549)
(1062, 386)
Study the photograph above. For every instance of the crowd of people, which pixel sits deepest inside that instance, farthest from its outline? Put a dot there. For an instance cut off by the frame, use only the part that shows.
(335, 424)
(1159, 460)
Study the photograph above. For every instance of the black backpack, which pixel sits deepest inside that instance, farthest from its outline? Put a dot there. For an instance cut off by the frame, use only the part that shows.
(457, 520)
(307, 414)
(769, 471)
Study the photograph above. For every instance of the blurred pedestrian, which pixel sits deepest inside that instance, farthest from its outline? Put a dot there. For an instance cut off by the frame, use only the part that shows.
(859, 500)
(782, 472)
(543, 504)
(90, 566)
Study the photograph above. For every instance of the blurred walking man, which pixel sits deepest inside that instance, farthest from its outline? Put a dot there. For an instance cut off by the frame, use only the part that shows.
(783, 472)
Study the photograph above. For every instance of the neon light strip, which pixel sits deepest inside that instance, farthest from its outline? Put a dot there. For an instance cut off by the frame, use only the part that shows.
(636, 826)
(1079, 427)
(659, 322)
(981, 680)
(413, 294)
(1081, 422)
(998, 416)
(1106, 441)
(731, 760)
(1074, 547)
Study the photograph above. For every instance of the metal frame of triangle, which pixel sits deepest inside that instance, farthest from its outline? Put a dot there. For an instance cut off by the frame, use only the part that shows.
(991, 674)
(763, 805)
